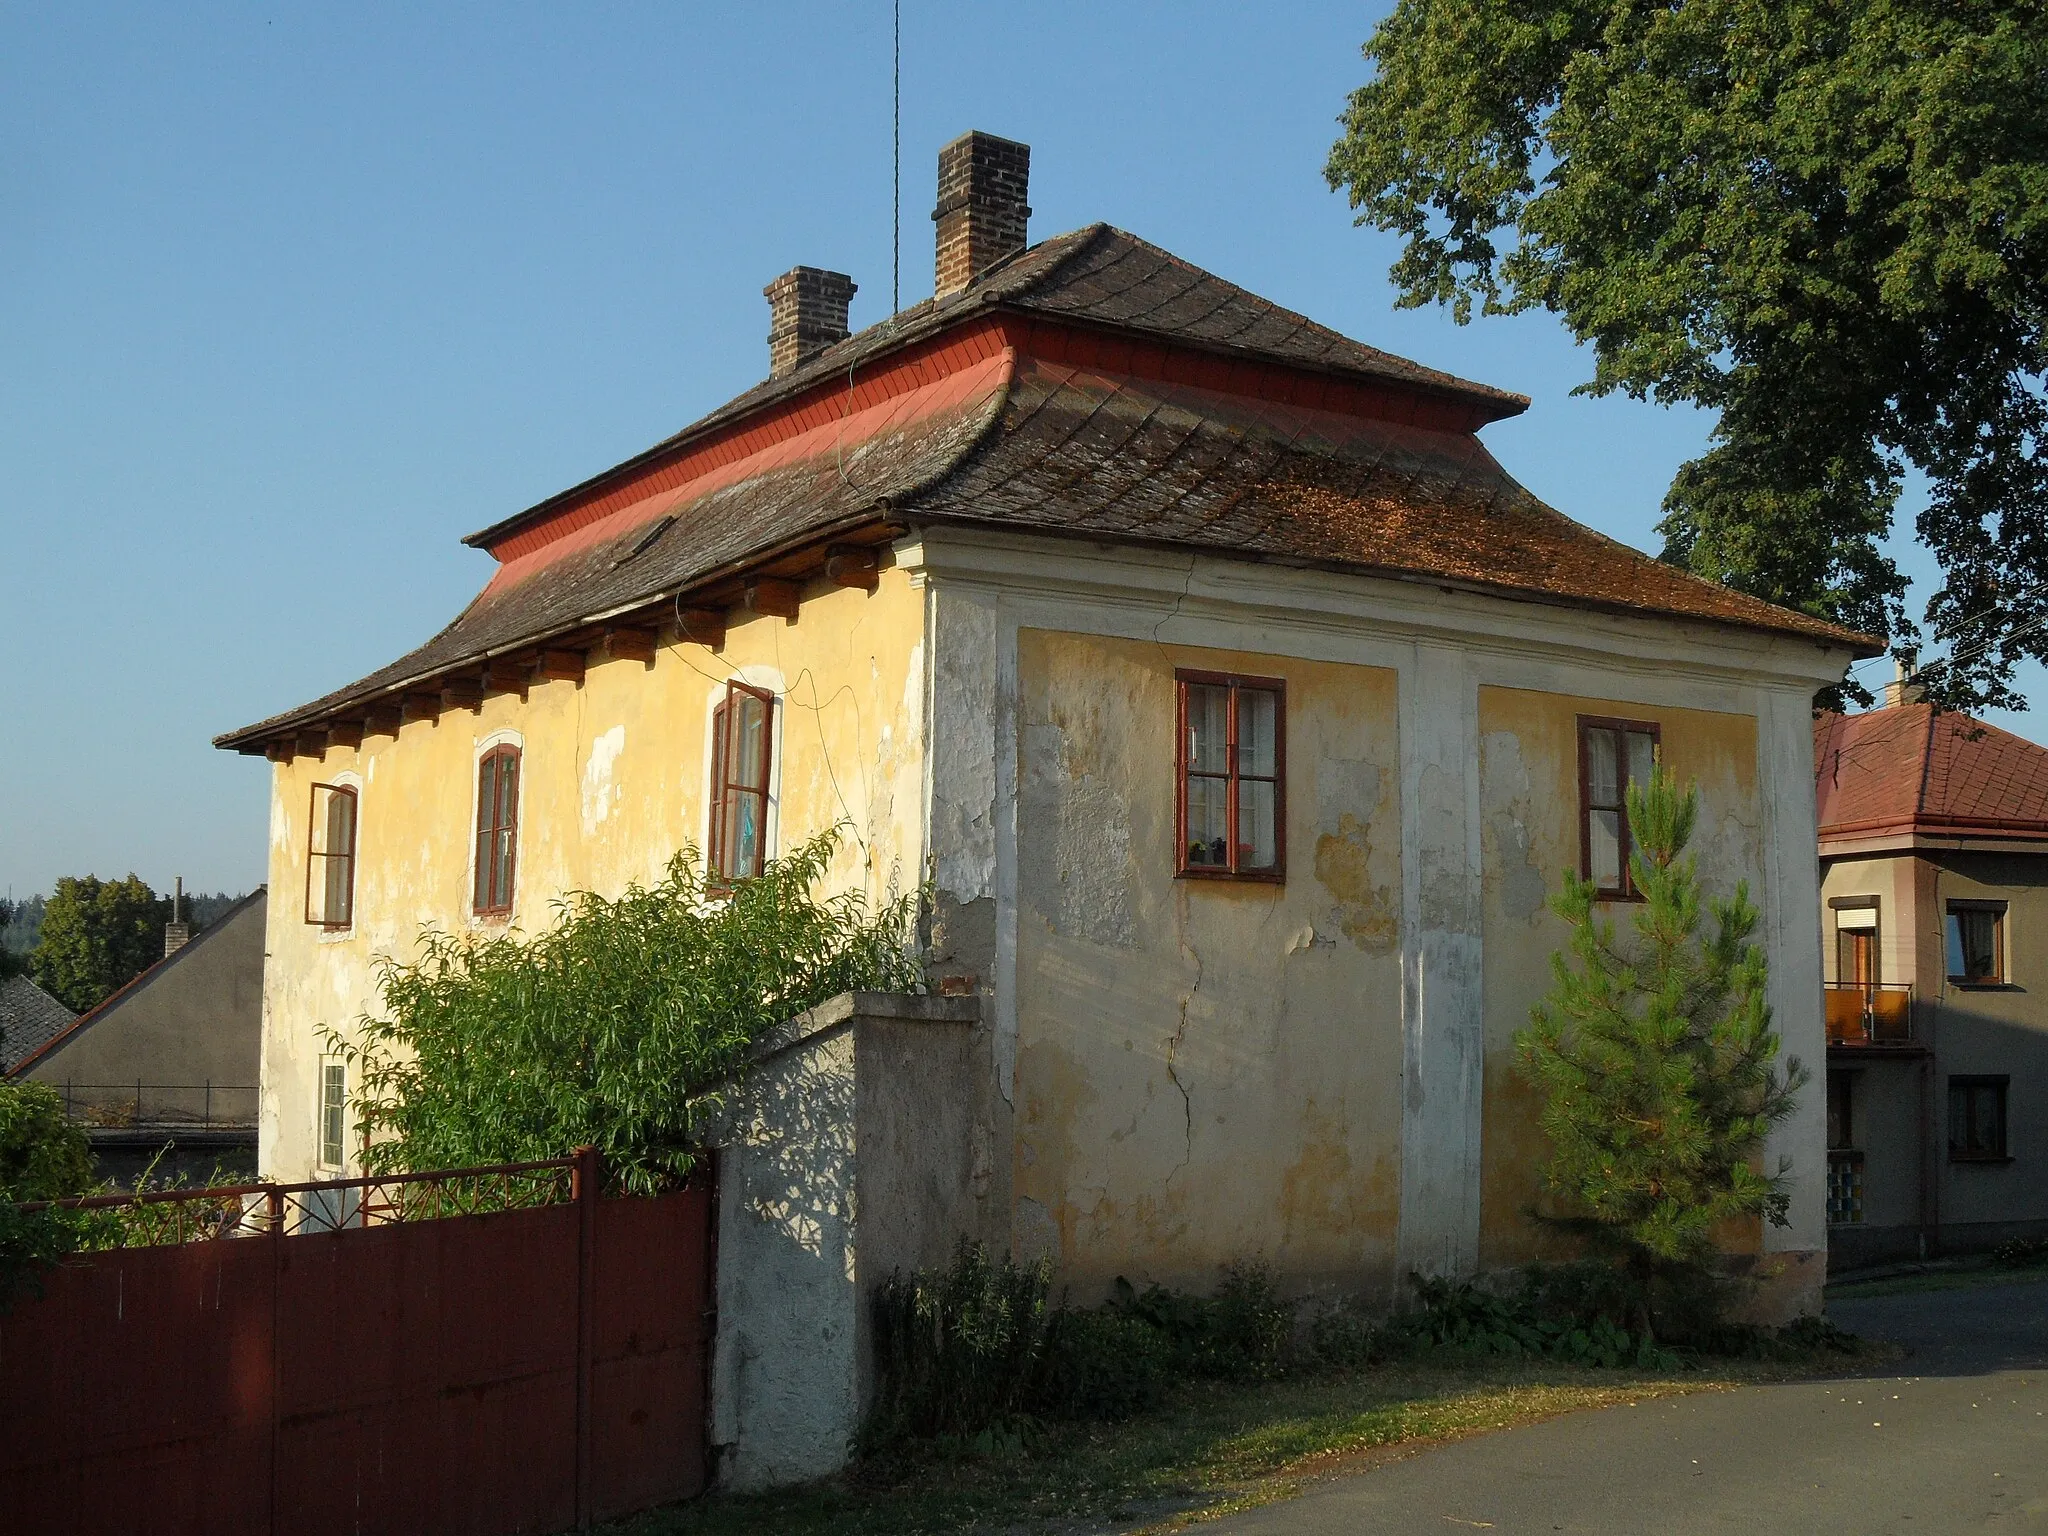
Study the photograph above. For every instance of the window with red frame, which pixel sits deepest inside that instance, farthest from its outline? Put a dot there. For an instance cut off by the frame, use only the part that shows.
(1613, 754)
(331, 857)
(1230, 776)
(740, 747)
(497, 829)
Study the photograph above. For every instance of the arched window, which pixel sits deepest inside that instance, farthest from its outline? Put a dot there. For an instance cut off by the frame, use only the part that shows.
(331, 857)
(497, 829)
(740, 738)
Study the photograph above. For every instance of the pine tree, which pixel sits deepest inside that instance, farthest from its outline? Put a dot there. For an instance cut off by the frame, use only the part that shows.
(1658, 1066)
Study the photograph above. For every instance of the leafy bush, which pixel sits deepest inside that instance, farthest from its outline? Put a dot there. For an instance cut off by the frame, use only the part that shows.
(961, 1349)
(1239, 1334)
(608, 1028)
(2021, 1252)
(977, 1349)
(1102, 1363)
(43, 1156)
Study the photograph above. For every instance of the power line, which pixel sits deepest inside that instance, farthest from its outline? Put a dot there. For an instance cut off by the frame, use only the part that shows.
(896, 189)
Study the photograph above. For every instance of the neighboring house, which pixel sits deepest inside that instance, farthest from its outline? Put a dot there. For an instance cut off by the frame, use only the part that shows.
(1237, 706)
(28, 1017)
(1934, 859)
(170, 1059)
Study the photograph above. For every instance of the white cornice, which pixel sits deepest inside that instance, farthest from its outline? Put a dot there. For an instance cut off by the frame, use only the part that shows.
(1189, 588)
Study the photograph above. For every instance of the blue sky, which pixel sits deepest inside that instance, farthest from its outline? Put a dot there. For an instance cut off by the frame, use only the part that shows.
(289, 302)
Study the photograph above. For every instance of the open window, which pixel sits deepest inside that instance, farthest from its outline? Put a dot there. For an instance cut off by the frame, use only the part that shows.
(497, 830)
(331, 857)
(741, 744)
(1976, 943)
(1230, 776)
(1613, 754)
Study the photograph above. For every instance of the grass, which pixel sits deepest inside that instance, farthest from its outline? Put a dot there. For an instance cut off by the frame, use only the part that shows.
(1943, 1275)
(1213, 1449)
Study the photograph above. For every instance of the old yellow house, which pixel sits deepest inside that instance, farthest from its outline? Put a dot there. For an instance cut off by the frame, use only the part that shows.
(1237, 705)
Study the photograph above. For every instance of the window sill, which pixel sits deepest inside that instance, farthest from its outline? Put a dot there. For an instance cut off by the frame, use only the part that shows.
(1981, 1162)
(1228, 877)
(1957, 984)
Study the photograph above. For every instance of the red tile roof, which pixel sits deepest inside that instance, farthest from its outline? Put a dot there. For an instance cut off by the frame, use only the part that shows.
(1909, 769)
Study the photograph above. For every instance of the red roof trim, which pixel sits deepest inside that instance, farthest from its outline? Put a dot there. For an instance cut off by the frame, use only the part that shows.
(959, 348)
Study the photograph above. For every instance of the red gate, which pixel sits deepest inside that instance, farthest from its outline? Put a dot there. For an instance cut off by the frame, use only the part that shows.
(389, 1366)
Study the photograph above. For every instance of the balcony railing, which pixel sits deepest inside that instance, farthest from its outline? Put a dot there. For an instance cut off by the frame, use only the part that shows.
(1869, 1013)
(162, 1106)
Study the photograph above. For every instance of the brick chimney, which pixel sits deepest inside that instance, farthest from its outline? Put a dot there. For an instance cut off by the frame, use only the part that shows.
(807, 309)
(983, 182)
(1902, 689)
(177, 932)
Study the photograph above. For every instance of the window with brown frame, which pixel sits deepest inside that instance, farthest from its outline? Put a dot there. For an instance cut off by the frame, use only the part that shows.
(1230, 776)
(1976, 943)
(1613, 754)
(497, 829)
(1976, 1119)
(740, 750)
(331, 857)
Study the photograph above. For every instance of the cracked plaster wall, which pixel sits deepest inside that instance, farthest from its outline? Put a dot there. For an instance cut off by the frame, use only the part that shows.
(1206, 1072)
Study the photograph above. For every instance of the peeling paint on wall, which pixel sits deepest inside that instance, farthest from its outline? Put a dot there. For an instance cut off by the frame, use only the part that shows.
(597, 777)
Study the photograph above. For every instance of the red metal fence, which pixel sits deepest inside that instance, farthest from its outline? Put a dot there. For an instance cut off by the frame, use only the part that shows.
(487, 1351)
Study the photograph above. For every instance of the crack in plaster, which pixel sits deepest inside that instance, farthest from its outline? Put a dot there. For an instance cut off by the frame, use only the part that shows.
(1179, 1038)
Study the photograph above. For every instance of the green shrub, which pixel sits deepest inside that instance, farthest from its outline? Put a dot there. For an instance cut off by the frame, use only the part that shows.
(1575, 1315)
(2021, 1252)
(43, 1156)
(1342, 1338)
(958, 1350)
(1239, 1334)
(1101, 1364)
(608, 1028)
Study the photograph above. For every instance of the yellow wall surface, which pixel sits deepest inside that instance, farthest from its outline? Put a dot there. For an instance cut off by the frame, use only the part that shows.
(1207, 1072)
(613, 782)
(1529, 805)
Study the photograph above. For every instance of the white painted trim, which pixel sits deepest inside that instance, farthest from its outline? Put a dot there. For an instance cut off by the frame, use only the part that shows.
(1443, 1017)
(1300, 603)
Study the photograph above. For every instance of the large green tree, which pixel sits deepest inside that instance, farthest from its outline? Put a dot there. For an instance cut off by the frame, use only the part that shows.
(1825, 220)
(97, 935)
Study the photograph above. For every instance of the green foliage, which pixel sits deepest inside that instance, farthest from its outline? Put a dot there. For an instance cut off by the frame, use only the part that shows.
(97, 936)
(1544, 1320)
(1241, 1333)
(611, 1028)
(961, 1350)
(978, 1348)
(43, 1156)
(1657, 1066)
(1826, 221)
(2021, 1252)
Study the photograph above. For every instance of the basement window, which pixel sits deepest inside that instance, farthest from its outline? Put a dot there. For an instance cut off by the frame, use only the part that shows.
(1230, 776)
(1613, 754)
(740, 750)
(331, 857)
(1976, 1119)
(1976, 943)
(497, 829)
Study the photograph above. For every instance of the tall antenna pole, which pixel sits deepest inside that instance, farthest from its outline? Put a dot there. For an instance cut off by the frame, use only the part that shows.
(896, 191)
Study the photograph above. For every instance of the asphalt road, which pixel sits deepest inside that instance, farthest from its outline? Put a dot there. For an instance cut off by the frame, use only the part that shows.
(1953, 1438)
